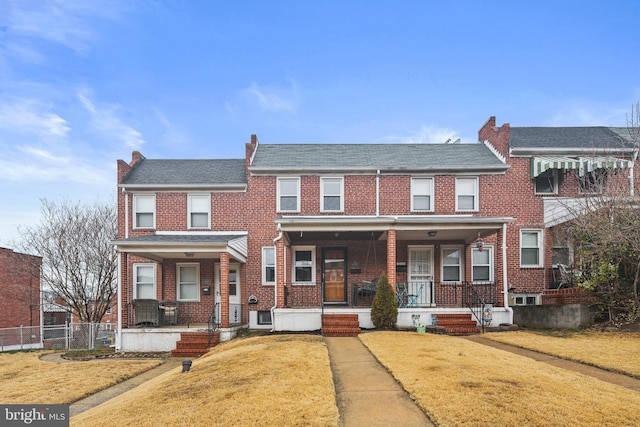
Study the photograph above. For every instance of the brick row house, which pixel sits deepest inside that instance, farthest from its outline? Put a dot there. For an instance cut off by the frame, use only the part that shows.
(19, 289)
(295, 231)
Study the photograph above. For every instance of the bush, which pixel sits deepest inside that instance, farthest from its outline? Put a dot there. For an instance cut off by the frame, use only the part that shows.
(384, 310)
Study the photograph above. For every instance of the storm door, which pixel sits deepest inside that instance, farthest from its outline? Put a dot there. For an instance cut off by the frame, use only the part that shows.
(334, 275)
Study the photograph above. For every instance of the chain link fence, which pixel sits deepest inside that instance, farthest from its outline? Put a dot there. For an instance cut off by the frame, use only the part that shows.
(70, 336)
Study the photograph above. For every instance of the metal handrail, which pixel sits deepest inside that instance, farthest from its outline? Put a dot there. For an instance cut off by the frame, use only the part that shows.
(212, 323)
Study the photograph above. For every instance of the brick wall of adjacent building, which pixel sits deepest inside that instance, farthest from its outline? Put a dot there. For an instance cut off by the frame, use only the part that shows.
(19, 289)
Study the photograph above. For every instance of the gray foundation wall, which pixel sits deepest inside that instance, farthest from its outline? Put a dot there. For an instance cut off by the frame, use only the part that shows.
(569, 316)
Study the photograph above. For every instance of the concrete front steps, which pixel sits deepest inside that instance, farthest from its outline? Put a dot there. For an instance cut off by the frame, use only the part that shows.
(194, 344)
(457, 324)
(340, 325)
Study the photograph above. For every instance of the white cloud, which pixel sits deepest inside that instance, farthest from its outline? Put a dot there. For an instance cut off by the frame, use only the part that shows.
(29, 116)
(270, 98)
(426, 135)
(581, 113)
(105, 119)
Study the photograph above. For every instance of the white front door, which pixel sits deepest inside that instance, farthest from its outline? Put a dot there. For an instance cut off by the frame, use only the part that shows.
(420, 273)
(234, 293)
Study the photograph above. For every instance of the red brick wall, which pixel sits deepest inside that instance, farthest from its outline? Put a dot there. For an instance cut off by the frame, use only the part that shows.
(19, 289)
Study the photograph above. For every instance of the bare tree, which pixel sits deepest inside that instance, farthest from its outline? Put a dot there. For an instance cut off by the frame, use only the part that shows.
(79, 263)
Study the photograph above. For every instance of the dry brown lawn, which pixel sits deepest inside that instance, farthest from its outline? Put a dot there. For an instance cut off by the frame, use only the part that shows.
(278, 380)
(24, 378)
(617, 352)
(459, 382)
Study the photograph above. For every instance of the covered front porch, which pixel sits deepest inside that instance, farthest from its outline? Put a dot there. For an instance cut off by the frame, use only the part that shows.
(435, 264)
(170, 284)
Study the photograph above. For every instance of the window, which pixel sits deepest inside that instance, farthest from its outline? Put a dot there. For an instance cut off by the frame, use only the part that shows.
(331, 195)
(108, 311)
(144, 208)
(547, 182)
(482, 264)
(199, 209)
(451, 264)
(530, 248)
(466, 194)
(264, 317)
(268, 265)
(145, 281)
(304, 264)
(421, 194)
(108, 325)
(592, 182)
(188, 282)
(525, 299)
(288, 195)
(561, 253)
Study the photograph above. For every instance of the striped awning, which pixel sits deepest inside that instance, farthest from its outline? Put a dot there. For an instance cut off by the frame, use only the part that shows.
(582, 164)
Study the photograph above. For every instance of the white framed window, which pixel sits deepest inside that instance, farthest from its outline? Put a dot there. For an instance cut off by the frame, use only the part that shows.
(144, 206)
(199, 210)
(304, 264)
(109, 311)
(531, 248)
(482, 264)
(525, 299)
(288, 195)
(144, 277)
(188, 281)
(547, 182)
(264, 318)
(451, 257)
(331, 194)
(268, 265)
(467, 194)
(421, 194)
(108, 325)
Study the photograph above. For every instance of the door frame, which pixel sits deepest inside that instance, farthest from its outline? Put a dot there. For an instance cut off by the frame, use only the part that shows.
(233, 299)
(323, 251)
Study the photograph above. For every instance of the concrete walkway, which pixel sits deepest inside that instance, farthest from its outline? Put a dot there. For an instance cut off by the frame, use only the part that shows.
(367, 394)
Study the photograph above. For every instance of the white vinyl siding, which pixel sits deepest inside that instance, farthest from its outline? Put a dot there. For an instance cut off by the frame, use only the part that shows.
(199, 210)
(144, 207)
(467, 194)
(421, 194)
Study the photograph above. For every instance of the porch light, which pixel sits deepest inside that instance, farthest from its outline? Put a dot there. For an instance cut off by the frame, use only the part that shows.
(189, 254)
(432, 233)
(479, 243)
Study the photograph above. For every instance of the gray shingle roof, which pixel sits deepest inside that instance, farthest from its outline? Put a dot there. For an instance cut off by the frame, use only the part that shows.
(374, 156)
(567, 137)
(187, 172)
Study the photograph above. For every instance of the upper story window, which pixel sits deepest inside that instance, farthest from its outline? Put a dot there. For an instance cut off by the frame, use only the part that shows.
(331, 194)
(547, 182)
(268, 265)
(144, 281)
(482, 264)
(593, 182)
(199, 210)
(304, 264)
(288, 195)
(188, 276)
(466, 194)
(531, 248)
(421, 194)
(144, 207)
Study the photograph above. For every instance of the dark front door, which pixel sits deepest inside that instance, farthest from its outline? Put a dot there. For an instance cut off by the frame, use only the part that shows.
(334, 274)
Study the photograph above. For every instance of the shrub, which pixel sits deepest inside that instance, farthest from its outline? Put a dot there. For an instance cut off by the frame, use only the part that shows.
(384, 310)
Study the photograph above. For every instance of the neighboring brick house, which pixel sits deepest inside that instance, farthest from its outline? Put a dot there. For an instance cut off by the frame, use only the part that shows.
(19, 289)
(293, 231)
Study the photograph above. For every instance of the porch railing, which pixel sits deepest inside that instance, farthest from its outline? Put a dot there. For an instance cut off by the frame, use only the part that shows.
(479, 297)
(306, 295)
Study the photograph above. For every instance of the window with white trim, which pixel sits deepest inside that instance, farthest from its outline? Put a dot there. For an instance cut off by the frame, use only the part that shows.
(188, 280)
(482, 264)
(421, 194)
(466, 194)
(304, 261)
(547, 182)
(264, 317)
(144, 207)
(331, 194)
(451, 264)
(531, 248)
(144, 278)
(199, 210)
(288, 195)
(268, 265)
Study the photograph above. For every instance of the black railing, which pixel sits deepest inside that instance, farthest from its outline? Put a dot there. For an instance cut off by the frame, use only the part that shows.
(480, 298)
(213, 323)
(297, 295)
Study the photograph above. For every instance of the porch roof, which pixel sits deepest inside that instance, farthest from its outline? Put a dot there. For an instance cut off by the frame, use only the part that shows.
(185, 245)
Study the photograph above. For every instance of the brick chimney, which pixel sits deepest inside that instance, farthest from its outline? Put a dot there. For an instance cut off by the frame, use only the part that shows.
(497, 137)
(250, 148)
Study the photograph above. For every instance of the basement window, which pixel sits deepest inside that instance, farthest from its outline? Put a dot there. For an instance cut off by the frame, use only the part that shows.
(525, 299)
(264, 318)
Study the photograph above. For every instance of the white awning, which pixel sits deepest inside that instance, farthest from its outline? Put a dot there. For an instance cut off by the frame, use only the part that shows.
(582, 164)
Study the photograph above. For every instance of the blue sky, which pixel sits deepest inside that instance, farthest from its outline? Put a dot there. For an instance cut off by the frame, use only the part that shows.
(84, 83)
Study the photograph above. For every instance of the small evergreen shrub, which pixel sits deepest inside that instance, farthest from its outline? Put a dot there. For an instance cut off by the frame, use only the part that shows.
(384, 310)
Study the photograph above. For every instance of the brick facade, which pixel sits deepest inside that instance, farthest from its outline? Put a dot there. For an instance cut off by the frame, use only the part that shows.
(19, 289)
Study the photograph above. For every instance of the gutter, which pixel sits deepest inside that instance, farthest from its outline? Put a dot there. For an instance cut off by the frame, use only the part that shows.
(275, 288)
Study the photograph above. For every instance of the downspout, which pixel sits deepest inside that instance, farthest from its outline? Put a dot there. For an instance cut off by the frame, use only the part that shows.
(275, 288)
(378, 192)
(119, 325)
(126, 213)
(505, 286)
